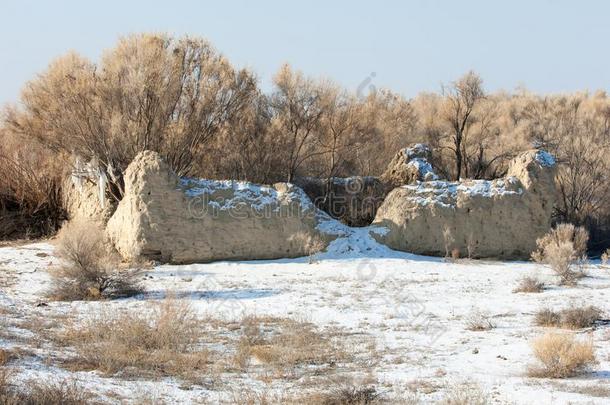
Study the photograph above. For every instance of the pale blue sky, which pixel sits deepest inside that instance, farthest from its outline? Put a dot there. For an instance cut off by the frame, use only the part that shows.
(545, 45)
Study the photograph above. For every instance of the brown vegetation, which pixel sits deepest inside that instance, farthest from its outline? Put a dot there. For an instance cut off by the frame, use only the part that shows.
(91, 269)
(189, 104)
(286, 346)
(561, 356)
(478, 322)
(41, 393)
(529, 285)
(163, 342)
(564, 249)
(569, 318)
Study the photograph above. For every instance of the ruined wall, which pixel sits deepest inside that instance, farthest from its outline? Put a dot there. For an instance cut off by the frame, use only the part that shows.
(82, 201)
(177, 220)
(355, 200)
(499, 218)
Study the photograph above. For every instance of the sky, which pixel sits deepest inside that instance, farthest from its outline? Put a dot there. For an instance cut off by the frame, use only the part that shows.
(546, 46)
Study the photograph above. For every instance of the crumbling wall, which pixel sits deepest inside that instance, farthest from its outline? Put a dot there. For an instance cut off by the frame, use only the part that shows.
(480, 218)
(175, 220)
(355, 200)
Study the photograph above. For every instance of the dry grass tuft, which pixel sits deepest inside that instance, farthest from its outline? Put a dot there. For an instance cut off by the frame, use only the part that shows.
(37, 393)
(346, 395)
(464, 394)
(91, 271)
(570, 318)
(286, 345)
(5, 356)
(564, 249)
(561, 356)
(529, 285)
(163, 342)
(478, 322)
(547, 317)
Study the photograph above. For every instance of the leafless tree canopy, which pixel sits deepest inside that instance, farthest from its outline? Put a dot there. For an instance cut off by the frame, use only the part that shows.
(180, 97)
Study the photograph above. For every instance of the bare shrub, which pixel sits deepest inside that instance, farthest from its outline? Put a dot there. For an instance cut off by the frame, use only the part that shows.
(5, 356)
(564, 249)
(580, 317)
(311, 245)
(605, 257)
(158, 343)
(561, 356)
(464, 394)
(448, 239)
(478, 322)
(547, 317)
(569, 318)
(92, 269)
(30, 189)
(529, 285)
(314, 245)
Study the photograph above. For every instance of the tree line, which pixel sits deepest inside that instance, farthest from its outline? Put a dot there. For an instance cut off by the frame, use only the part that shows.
(183, 99)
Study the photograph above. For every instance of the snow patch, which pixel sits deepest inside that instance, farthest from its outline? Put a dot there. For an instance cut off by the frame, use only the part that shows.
(545, 159)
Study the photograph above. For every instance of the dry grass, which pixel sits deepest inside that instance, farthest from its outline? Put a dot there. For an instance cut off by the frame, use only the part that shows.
(286, 345)
(561, 356)
(39, 393)
(5, 356)
(529, 285)
(164, 342)
(91, 271)
(593, 390)
(569, 318)
(346, 395)
(464, 394)
(564, 249)
(478, 322)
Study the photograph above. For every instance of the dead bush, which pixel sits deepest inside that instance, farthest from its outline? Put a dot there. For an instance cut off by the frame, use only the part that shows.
(91, 269)
(569, 318)
(580, 317)
(547, 317)
(529, 285)
(30, 189)
(4, 357)
(605, 257)
(564, 249)
(478, 322)
(561, 356)
(464, 394)
(163, 342)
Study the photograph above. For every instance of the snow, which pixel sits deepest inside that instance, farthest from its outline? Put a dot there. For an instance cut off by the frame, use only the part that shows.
(231, 194)
(415, 307)
(445, 193)
(416, 156)
(545, 159)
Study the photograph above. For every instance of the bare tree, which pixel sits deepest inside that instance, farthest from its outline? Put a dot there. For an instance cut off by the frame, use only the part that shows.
(149, 92)
(297, 110)
(461, 99)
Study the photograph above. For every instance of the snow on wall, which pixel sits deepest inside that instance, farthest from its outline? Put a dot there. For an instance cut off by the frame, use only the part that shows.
(445, 193)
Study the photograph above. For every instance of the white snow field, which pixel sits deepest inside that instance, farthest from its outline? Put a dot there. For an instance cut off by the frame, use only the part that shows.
(405, 317)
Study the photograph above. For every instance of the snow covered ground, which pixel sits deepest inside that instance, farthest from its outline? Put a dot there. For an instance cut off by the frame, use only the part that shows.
(415, 309)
